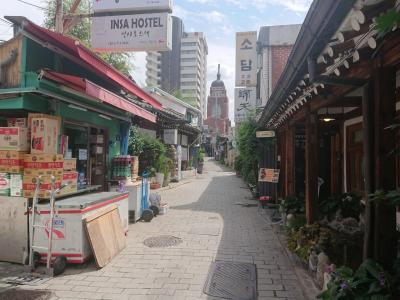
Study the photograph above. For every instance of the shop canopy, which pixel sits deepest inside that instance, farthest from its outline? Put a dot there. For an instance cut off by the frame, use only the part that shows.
(75, 51)
(100, 94)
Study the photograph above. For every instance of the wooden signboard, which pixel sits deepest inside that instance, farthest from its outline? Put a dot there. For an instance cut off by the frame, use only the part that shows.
(265, 134)
(105, 234)
(268, 175)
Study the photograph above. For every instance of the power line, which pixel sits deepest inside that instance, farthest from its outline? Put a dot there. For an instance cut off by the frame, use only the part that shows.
(31, 4)
(6, 21)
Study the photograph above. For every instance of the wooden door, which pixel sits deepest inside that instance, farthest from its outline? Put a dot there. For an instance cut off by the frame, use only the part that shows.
(354, 158)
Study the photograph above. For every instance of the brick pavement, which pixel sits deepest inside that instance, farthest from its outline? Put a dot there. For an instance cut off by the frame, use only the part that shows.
(212, 227)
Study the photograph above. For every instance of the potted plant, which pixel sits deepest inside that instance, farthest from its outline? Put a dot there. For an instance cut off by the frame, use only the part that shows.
(167, 171)
(161, 166)
(201, 162)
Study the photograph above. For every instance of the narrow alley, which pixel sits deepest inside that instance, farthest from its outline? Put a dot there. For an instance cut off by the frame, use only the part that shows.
(205, 213)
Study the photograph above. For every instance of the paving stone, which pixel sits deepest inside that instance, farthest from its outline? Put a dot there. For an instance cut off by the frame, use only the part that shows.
(204, 215)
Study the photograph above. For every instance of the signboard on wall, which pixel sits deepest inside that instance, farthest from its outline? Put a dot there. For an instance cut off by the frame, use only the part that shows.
(139, 32)
(171, 136)
(268, 175)
(246, 58)
(245, 101)
(265, 134)
(131, 5)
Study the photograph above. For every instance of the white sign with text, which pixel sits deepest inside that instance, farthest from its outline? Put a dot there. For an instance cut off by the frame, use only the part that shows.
(245, 102)
(246, 58)
(140, 32)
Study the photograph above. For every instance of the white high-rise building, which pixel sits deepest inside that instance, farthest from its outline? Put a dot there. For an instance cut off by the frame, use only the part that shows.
(194, 51)
(153, 69)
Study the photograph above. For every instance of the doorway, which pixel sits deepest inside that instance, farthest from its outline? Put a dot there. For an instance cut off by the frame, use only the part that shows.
(87, 143)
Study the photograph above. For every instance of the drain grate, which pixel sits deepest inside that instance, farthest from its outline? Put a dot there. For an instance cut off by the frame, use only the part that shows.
(162, 241)
(232, 280)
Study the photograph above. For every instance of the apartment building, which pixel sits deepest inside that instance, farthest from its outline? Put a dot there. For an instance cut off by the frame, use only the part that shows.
(194, 51)
(163, 68)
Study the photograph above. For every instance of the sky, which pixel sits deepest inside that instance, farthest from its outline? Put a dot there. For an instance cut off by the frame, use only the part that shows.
(218, 19)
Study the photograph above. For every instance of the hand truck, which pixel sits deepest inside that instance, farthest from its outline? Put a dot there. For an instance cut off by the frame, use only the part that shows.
(34, 257)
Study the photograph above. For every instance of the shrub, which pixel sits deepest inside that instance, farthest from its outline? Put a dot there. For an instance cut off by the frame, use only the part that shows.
(148, 148)
(369, 282)
(349, 205)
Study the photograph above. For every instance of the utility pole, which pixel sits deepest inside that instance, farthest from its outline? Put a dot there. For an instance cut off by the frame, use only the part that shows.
(59, 16)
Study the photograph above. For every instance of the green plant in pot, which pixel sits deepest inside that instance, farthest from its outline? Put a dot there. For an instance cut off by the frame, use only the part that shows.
(167, 168)
(162, 167)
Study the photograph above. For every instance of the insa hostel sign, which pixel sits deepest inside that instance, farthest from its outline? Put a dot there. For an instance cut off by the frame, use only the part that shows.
(139, 32)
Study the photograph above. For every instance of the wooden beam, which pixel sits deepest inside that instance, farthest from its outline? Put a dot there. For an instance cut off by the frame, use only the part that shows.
(335, 50)
(333, 101)
(289, 162)
(368, 148)
(311, 162)
(384, 226)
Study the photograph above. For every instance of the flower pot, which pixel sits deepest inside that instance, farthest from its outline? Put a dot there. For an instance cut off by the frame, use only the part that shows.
(200, 168)
(154, 185)
(160, 178)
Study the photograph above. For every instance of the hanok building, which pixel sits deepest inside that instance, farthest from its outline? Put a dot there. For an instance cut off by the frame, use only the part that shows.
(331, 110)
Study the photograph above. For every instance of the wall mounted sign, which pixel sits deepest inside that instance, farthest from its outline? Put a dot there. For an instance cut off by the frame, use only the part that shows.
(268, 175)
(265, 134)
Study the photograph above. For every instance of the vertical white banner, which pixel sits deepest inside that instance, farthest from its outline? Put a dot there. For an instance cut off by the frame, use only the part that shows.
(245, 102)
(246, 58)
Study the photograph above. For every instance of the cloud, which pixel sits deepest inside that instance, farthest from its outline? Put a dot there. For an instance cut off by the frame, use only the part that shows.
(214, 17)
(292, 5)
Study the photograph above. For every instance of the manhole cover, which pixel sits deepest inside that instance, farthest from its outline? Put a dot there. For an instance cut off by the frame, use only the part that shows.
(162, 241)
(232, 280)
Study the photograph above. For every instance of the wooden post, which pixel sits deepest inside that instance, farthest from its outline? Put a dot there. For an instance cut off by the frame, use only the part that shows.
(311, 157)
(289, 162)
(368, 148)
(385, 242)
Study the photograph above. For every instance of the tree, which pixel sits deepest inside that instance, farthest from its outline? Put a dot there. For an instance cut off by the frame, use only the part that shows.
(191, 100)
(81, 31)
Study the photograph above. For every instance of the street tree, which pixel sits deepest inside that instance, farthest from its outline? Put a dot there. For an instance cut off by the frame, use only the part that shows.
(81, 31)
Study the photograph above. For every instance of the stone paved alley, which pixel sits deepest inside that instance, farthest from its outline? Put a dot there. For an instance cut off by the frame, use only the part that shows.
(212, 227)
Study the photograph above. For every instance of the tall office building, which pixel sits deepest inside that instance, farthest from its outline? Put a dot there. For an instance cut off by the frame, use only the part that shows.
(194, 51)
(163, 68)
(183, 68)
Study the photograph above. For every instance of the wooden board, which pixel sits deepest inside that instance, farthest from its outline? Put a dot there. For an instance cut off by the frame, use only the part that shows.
(12, 71)
(105, 234)
(13, 229)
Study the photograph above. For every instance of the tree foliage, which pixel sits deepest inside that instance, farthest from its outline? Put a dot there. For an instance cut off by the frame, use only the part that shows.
(388, 22)
(81, 31)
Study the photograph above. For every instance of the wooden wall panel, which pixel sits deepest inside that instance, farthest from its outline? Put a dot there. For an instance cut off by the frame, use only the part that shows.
(12, 74)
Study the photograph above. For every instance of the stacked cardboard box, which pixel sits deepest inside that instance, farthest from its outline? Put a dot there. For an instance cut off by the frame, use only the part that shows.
(12, 161)
(69, 164)
(16, 185)
(17, 122)
(44, 165)
(45, 130)
(70, 179)
(14, 138)
(4, 184)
